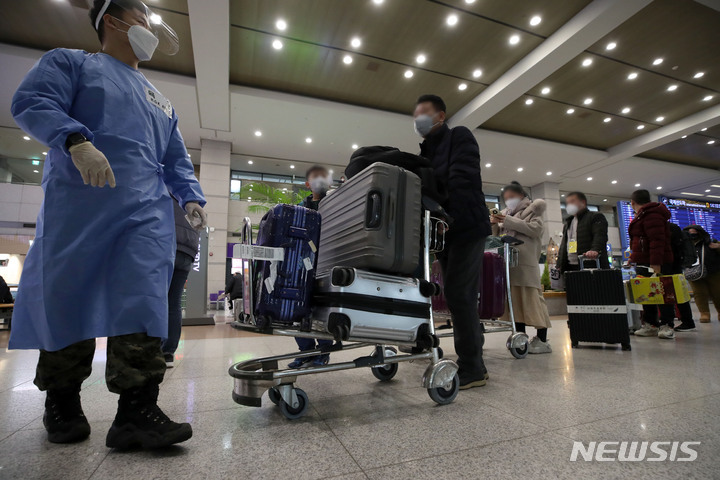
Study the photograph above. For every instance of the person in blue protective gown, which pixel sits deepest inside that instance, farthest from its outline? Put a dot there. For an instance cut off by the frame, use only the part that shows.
(103, 254)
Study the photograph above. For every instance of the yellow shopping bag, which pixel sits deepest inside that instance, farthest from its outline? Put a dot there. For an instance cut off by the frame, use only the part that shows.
(658, 290)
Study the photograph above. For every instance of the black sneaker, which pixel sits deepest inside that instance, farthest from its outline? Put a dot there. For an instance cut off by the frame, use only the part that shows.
(169, 360)
(64, 419)
(685, 327)
(140, 423)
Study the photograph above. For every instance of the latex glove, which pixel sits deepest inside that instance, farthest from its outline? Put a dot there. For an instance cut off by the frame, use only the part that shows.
(92, 165)
(591, 254)
(196, 216)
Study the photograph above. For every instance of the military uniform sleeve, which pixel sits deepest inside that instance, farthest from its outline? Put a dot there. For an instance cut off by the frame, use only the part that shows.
(179, 173)
(42, 102)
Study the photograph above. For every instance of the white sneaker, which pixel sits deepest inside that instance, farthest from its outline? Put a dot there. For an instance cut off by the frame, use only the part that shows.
(647, 331)
(666, 332)
(538, 346)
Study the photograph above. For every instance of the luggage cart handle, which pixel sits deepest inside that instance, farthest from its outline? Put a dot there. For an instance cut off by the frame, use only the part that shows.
(246, 233)
(581, 261)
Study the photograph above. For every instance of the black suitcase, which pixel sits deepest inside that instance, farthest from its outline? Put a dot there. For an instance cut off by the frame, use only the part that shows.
(597, 311)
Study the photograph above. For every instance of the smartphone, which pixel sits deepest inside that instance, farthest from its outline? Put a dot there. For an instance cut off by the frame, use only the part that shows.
(494, 211)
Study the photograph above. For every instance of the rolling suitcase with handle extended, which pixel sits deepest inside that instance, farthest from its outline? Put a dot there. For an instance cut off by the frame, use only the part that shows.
(597, 311)
(373, 222)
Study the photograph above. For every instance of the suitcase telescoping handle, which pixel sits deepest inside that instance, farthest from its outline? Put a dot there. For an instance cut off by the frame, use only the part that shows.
(581, 261)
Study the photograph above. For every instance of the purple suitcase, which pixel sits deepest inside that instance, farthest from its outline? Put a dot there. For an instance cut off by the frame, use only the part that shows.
(284, 296)
(439, 304)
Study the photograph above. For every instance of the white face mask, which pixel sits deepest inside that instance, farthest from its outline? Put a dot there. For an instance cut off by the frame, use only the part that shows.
(142, 41)
(424, 124)
(320, 185)
(512, 203)
(572, 209)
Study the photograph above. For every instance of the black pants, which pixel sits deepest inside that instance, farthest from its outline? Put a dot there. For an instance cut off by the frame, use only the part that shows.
(183, 264)
(462, 262)
(650, 312)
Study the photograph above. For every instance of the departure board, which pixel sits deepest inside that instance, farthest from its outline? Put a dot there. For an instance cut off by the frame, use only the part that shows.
(683, 212)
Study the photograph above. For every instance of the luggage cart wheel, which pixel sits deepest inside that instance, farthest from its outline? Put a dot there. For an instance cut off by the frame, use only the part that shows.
(295, 413)
(518, 345)
(387, 371)
(274, 396)
(445, 395)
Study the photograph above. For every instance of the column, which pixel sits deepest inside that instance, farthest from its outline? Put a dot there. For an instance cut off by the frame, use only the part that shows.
(215, 182)
(550, 192)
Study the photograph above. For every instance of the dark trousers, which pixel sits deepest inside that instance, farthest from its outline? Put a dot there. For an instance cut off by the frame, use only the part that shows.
(461, 263)
(650, 312)
(133, 361)
(183, 264)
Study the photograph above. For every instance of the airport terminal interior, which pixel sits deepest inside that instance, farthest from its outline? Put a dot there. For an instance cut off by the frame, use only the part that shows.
(531, 292)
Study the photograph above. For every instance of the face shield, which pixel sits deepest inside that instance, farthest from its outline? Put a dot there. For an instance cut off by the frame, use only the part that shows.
(168, 42)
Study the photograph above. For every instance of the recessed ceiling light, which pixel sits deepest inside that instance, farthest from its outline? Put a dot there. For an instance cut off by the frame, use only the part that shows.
(640, 127)
(277, 44)
(570, 111)
(657, 61)
(462, 86)
(587, 62)
(535, 20)
(355, 42)
(520, 169)
(36, 162)
(659, 119)
(451, 19)
(488, 165)
(469, 1)
(698, 74)
(711, 142)
(632, 76)
(26, 137)
(626, 110)
(35, 171)
(44, 153)
(250, 162)
(562, 195)
(281, 25)
(604, 199)
(607, 119)
(476, 73)
(355, 146)
(614, 182)
(589, 179)
(420, 58)
(331, 172)
(672, 88)
(308, 140)
(258, 133)
(514, 40)
(708, 191)
(611, 46)
(347, 59)
(548, 173)
(637, 184)
(703, 129)
(189, 155)
(529, 101)
(292, 166)
(658, 188)
(708, 98)
(545, 90)
(408, 73)
(587, 101)
(684, 136)
(378, 2)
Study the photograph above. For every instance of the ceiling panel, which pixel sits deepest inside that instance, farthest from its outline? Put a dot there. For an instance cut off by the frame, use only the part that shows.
(693, 150)
(45, 25)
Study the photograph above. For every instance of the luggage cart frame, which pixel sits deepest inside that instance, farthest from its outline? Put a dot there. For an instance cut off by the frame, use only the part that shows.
(517, 342)
(253, 377)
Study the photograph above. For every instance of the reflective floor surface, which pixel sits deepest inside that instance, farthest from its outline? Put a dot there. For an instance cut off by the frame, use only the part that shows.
(522, 424)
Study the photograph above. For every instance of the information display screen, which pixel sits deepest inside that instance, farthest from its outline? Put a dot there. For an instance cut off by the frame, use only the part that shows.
(683, 212)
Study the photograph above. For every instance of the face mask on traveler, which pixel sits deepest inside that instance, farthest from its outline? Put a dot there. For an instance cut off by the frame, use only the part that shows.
(142, 41)
(320, 185)
(693, 236)
(424, 124)
(512, 203)
(572, 209)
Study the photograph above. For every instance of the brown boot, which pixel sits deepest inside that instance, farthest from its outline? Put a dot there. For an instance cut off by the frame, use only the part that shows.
(704, 317)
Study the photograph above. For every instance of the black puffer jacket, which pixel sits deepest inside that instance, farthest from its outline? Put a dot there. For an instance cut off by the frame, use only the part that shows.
(712, 255)
(186, 237)
(592, 234)
(455, 158)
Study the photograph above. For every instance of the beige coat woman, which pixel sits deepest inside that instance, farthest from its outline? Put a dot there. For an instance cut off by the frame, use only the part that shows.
(525, 223)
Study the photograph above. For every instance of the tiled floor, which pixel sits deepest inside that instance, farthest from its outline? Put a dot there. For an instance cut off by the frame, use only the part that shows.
(522, 424)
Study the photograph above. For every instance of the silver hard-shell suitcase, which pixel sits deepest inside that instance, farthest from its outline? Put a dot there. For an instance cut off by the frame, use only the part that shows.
(359, 305)
(372, 222)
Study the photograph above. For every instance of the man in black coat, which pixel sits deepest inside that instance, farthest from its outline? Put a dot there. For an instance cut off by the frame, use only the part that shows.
(455, 159)
(584, 233)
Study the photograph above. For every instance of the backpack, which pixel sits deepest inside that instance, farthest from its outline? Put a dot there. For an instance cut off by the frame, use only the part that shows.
(682, 247)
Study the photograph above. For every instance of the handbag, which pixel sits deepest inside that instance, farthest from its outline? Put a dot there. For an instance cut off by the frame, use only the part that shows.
(697, 271)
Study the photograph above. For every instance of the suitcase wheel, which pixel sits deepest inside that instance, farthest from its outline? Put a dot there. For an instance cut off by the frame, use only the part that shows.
(428, 289)
(626, 347)
(339, 326)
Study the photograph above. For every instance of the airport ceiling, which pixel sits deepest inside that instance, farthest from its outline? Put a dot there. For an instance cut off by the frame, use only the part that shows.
(658, 67)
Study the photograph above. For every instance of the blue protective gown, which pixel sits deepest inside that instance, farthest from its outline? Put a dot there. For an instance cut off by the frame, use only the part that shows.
(102, 258)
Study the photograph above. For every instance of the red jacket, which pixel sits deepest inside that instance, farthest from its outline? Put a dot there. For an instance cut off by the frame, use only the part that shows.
(650, 235)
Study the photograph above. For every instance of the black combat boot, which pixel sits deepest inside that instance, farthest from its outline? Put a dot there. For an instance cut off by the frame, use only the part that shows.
(64, 419)
(140, 423)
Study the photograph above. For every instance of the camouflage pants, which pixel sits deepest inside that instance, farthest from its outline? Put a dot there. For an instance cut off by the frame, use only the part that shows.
(133, 361)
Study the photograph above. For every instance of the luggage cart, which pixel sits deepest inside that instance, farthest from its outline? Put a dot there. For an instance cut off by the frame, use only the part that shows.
(517, 342)
(253, 377)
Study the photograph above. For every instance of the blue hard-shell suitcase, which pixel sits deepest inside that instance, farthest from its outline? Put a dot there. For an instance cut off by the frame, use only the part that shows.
(283, 289)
